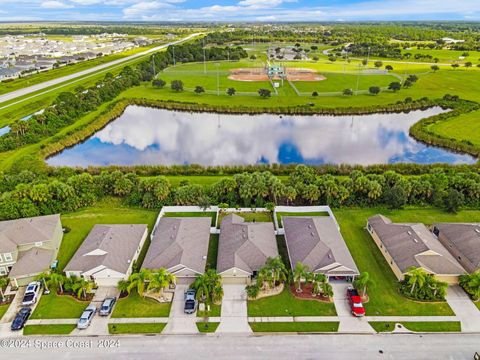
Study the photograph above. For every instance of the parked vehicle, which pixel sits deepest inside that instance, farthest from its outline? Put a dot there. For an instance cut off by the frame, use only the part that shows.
(21, 318)
(107, 306)
(86, 318)
(31, 294)
(190, 301)
(355, 302)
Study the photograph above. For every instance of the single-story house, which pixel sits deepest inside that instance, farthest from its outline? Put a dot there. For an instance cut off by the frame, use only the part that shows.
(412, 245)
(28, 247)
(180, 245)
(463, 242)
(316, 241)
(243, 248)
(107, 254)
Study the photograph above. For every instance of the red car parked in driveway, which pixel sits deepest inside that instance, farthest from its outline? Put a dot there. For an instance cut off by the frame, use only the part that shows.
(355, 302)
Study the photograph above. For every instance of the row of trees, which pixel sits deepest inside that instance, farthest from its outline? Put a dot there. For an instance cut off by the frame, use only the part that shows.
(147, 280)
(270, 276)
(46, 195)
(320, 285)
(77, 286)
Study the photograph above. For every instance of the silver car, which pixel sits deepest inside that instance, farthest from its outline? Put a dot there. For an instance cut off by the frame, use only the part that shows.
(86, 318)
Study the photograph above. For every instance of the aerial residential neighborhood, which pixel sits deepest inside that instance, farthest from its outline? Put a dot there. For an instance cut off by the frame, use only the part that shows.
(240, 179)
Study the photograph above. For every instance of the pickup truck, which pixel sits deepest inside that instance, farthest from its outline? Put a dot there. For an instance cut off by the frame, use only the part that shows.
(190, 301)
(355, 302)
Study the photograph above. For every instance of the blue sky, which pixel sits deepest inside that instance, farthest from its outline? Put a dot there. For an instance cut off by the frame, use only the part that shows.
(239, 10)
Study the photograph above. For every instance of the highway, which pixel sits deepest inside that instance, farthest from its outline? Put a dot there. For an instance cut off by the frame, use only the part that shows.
(277, 347)
(78, 75)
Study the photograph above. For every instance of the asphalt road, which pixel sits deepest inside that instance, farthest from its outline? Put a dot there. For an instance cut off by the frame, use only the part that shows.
(28, 90)
(164, 347)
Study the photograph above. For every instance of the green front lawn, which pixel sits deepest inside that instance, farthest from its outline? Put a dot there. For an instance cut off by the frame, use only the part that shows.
(57, 329)
(215, 310)
(137, 328)
(106, 211)
(135, 306)
(212, 252)
(294, 326)
(53, 306)
(260, 216)
(280, 214)
(285, 304)
(383, 293)
(3, 309)
(207, 327)
(213, 215)
(434, 326)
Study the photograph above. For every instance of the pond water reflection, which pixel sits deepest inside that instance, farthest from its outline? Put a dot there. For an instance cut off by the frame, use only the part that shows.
(156, 136)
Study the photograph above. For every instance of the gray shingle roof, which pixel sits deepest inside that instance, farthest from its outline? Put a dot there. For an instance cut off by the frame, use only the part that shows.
(317, 242)
(245, 245)
(32, 261)
(414, 245)
(110, 246)
(14, 233)
(179, 241)
(465, 237)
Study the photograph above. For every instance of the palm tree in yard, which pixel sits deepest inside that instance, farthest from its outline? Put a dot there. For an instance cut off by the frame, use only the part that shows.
(160, 279)
(362, 281)
(138, 281)
(3, 283)
(82, 287)
(327, 289)
(416, 277)
(202, 289)
(208, 287)
(123, 285)
(299, 273)
(318, 280)
(278, 269)
(44, 278)
(57, 281)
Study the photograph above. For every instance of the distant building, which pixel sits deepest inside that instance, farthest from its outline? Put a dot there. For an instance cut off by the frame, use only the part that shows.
(448, 40)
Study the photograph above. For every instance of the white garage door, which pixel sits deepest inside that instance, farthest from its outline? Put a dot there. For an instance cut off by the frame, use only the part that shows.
(107, 281)
(235, 280)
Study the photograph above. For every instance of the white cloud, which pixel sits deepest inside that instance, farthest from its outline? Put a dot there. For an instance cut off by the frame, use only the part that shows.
(53, 4)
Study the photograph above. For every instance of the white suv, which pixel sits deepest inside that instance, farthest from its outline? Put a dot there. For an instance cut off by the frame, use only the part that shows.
(31, 294)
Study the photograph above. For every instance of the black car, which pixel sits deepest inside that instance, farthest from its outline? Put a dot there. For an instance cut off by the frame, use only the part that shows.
(21, 318)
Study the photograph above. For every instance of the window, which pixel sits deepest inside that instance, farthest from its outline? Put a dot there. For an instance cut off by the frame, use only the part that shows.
(3, 270)
(8, 257)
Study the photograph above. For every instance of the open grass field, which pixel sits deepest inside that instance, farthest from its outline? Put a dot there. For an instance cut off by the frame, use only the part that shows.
(136, 306)
(108, 211)
(300, 327)
(464, 127)
(285, 304)
(57, 329)
(137, 328)
(383, 294)
(434, 326)
(53, 306)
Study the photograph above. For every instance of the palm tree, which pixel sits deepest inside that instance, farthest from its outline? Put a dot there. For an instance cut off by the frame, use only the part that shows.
(278, 269)
(3, 282)
(160, 279)
(362, 281)
(201, 287)
(57, 280)
(416, 276)
(123, 285)
(318, 280)
(299, 273)
(44, 278)
(82, 287)
(266, 278)
(208, 287)
(252, 291)
(327, 289)
(138, 281)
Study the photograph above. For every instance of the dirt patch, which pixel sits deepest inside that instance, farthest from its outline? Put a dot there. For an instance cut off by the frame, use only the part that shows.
(306, 293)
(259, 74)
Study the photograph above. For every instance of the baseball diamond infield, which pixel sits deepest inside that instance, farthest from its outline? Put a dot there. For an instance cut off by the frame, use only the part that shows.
(260, 74)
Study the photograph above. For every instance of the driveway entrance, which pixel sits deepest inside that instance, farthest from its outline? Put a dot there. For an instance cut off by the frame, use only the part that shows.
(234, 318)
(464, 308)
(178, 321)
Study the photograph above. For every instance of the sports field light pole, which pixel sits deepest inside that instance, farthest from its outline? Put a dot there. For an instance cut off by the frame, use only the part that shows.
(218, 79)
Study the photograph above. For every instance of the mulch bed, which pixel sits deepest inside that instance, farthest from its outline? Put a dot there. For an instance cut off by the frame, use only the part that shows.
(306, 293)
(70, 293)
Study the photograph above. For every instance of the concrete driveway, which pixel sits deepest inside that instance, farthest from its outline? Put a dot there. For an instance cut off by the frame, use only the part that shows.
(348, 322)
(234, 318)
(464, 308)
(178, 321)
(99, 324)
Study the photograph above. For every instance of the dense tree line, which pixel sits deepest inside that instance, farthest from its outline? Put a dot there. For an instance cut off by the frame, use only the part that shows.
(27, 194)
